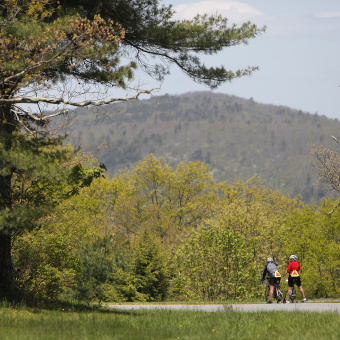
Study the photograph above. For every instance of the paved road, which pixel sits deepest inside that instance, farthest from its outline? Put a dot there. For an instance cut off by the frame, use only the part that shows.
(304, 307)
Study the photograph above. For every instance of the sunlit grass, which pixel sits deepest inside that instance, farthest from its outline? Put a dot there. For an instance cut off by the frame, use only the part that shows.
(23, 323)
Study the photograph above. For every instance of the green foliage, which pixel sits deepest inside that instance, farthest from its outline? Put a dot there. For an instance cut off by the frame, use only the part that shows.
(102, 279)
(154, 212)
(155, 233)
(315, 239)
(151, 270)
(215, 264)
(159, 200)
(258, 214)
(126, 287)
(81, 176)
(43, 173)
(44, 264)
(153, 202)
(95, 276)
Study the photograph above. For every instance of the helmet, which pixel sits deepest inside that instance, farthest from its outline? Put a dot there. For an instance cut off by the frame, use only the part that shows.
(269, 259)
(292, 257)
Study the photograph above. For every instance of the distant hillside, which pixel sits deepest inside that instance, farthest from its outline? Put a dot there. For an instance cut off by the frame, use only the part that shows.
(237, 137)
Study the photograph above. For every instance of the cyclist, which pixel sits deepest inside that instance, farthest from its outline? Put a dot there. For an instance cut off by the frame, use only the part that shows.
(274, 276)
(294, 277)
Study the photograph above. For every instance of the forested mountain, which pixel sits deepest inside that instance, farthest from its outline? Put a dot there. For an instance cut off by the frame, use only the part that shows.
(237, 137)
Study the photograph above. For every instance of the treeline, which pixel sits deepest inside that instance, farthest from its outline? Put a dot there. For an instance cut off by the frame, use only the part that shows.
(158, 233)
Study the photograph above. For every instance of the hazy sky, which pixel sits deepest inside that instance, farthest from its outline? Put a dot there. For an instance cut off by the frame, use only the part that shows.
(298, 56)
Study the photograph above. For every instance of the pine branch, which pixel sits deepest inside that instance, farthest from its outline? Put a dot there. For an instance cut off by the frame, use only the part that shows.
(36, 100)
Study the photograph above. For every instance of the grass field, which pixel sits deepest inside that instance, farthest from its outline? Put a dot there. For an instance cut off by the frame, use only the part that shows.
(24, 323)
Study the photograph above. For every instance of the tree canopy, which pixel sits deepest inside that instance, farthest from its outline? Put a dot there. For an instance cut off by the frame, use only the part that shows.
(47, 43)
(157, 232)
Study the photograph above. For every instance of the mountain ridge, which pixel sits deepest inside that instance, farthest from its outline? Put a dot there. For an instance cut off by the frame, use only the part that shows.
(237, 137)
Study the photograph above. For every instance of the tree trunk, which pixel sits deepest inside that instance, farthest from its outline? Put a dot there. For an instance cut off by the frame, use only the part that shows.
(6, 268)
(7, 126)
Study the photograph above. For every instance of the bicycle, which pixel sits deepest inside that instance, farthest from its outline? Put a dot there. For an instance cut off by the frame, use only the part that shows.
(279, 293)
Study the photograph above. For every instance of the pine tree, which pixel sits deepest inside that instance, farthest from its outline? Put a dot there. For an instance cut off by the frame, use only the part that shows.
(48, 44)
(151, 31)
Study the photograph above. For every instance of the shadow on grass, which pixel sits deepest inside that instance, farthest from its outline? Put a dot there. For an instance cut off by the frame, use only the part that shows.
(64, 306)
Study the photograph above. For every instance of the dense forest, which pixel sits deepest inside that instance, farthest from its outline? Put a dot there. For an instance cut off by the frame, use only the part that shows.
(238, 138)
(159, 233)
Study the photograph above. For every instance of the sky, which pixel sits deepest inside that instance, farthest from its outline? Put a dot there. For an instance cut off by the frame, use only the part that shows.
(298, 55)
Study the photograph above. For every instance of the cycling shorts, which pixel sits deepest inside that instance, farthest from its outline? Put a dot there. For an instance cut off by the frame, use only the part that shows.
(274, 280)
(294, 281)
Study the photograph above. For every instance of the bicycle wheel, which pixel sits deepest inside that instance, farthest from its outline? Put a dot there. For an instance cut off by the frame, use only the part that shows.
(281, 295)
(293, 294)
(266, 293)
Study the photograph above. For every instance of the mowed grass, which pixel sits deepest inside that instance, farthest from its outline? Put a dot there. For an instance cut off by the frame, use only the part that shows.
(24, 323)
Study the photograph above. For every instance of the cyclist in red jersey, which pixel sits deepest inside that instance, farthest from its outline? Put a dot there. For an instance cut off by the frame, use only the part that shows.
(294, 277)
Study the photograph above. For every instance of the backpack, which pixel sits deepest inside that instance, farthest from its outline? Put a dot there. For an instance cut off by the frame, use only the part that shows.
(272, 270)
